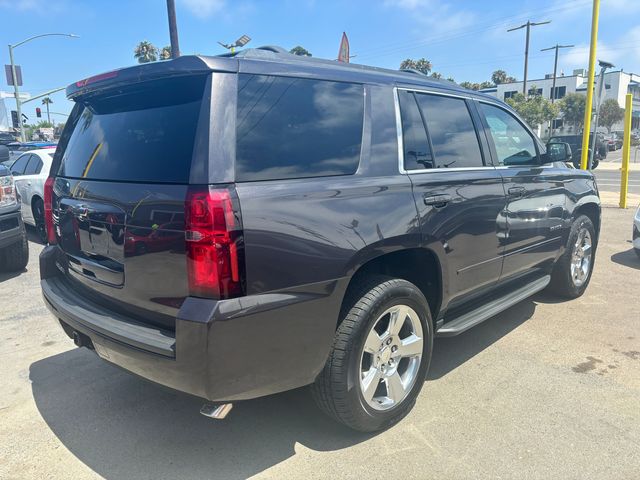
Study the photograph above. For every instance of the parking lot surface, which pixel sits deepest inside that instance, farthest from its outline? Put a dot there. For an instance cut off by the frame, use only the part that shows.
(547, 389)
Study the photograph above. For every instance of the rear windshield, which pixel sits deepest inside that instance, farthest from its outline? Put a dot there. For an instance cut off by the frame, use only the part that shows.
(144, 133)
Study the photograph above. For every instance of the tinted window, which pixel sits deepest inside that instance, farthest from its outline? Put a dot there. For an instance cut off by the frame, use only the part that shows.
(293, 127)
(451, 130)
(144, 133)
(34, 166)
(417, 152)
(514, 144)
(20, 164)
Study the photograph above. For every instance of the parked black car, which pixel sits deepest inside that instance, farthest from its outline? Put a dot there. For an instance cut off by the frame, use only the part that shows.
(335, 218)
(6, 137)
(14, 247)
(575, 142)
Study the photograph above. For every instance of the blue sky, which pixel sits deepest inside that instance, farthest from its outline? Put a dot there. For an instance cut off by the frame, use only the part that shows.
(463, 39)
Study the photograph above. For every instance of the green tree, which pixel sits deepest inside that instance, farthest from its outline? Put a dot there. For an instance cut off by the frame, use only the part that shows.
(470, 85)
(422, 65)
(610, 113)
(572, 107)
(485, 85)
(535, 109)
(145, 52)
(500, 76)
(436, 75)
(298, 50)
(165, 53)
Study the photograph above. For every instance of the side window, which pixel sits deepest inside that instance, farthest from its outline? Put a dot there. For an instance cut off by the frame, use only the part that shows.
(417, 152)
(20, 164)
(514, 144)
(451, 130)
(34, 166)
(295, 127)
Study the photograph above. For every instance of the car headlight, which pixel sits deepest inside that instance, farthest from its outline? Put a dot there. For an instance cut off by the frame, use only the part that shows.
(7, 191)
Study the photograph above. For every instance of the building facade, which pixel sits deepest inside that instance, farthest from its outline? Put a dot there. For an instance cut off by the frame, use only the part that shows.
(617, 85)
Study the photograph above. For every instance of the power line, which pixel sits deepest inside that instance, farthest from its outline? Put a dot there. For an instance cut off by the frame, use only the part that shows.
(528, 26)
(481, 27)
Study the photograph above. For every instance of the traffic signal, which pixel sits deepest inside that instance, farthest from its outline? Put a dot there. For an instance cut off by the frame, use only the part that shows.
(14, 119)
(38, 112)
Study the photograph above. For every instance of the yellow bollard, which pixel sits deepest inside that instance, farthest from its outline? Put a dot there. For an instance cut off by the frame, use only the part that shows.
(626, 151)
(592, 73)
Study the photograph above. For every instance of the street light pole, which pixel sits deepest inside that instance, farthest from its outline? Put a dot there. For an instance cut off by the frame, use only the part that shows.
(603, 68)
(15, 77)
(16, 92)
(173, 28)
(528, 26)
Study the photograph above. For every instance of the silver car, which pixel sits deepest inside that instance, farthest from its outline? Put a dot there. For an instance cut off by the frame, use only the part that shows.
(30, 171)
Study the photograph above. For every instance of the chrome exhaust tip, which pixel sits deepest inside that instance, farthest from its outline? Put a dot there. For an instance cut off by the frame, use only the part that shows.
(218, 411)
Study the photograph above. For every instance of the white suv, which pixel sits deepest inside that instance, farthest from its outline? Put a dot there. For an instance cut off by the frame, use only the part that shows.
(30, 171)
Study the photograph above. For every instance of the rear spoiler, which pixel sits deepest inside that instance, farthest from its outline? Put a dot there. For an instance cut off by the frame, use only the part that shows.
(187, 65)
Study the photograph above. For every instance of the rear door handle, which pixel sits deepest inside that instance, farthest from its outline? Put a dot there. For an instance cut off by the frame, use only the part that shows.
(438, 200)
(517, 191)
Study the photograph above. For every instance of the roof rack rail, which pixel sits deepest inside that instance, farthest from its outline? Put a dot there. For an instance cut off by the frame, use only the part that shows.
(413, 70)
(272, 48)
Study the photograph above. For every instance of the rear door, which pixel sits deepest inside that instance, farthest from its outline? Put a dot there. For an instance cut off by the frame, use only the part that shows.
(535, 193)
(459, 194)
(122, 173)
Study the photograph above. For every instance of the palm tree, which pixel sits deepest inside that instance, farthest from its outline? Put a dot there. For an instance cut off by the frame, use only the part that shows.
(165, 53)
(145, 52)
(46, 101)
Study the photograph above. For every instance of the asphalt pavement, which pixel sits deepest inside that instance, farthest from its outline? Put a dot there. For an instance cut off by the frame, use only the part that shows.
(608, 172)
(547, 389)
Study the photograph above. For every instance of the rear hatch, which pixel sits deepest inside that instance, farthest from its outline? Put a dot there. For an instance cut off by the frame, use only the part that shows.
(121, 179)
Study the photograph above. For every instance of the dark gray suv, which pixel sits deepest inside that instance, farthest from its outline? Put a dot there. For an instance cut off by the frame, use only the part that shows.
(241, 225)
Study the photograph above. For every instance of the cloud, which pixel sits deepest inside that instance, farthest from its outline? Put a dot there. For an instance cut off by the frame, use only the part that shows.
(35, 6)
(435, 17)
(203, 8)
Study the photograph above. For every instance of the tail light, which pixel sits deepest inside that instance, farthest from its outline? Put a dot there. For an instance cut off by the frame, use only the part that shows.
(48, 210)
(8, 194)
(213, 233)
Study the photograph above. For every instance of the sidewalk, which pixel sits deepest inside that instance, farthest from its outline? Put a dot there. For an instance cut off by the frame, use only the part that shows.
(616, 165)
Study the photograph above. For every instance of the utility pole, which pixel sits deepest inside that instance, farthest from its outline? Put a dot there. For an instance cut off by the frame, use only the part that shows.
(528, 26)
(555, 74)
(555, 67)
(173, 28)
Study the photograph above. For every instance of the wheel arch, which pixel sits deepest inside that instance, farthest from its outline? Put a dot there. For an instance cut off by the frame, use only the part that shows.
(591, 209)
(420, 266)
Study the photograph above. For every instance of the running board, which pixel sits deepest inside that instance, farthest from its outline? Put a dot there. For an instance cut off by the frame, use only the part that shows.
(479, 315)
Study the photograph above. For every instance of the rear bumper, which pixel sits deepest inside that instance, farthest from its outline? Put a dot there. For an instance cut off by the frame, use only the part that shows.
(220, 350)
(11, 228)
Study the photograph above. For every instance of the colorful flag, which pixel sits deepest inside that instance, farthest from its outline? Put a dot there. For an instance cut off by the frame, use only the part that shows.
(343, 54)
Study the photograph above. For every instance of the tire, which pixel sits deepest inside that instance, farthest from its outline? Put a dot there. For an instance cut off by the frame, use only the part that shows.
(567, 279)
(339, 389)
(15, 257)
(595, 164)
(38, 219)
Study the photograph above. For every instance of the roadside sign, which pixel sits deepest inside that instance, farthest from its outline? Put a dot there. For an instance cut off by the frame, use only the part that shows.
(8, 73)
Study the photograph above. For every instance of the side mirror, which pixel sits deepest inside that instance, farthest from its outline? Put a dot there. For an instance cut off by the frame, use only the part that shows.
(557, 152)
